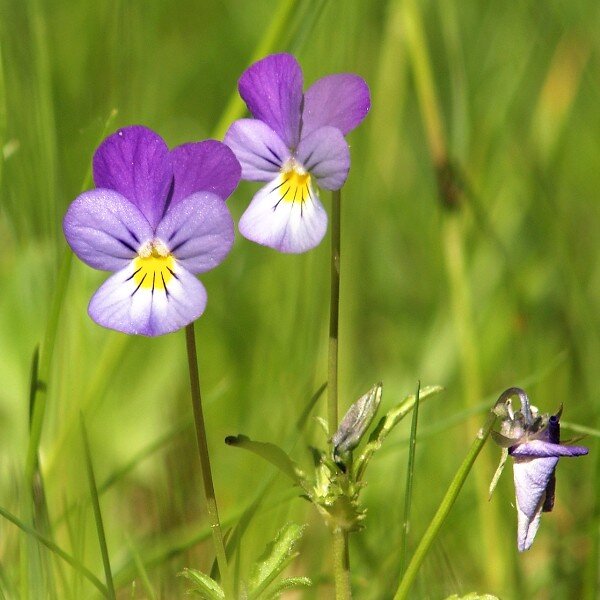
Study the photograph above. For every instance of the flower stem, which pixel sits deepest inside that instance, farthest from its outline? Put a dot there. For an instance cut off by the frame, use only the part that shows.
(341, 564)
(209, 489)
(443, 510)
(334, 311)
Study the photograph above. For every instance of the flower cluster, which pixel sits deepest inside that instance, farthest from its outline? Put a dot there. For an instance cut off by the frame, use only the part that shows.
(158, 217)
(533, 442)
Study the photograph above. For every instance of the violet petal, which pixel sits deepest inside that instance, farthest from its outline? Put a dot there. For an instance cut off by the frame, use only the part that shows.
(198, 231)
(208, 166)
(288, 224)
(540, 448)
(325, 155)
(341, 100)
(259, 149)
(135, 162)
(272, 90)
(105, 230)
(121, 303)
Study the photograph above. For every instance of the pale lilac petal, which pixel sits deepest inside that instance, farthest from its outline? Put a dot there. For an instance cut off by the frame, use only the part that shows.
(272, 90)
(259, 149)
(104, 229)
(207, 166)
(341, 100)
(527, 528)
(121, 303)
(289, 220)
(198, 231)
(531, 477)
(135, 162)
(540, 448)
(325, 155)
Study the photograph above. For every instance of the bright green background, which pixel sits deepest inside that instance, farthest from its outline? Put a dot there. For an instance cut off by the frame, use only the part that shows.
(501, 291)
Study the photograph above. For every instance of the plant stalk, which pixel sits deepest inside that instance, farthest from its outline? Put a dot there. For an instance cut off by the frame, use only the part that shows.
(207, 481)
(341, 566)
(334, 312)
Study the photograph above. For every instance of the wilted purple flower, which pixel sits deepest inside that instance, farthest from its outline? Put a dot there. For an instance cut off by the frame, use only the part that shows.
(533, 441)
(156, 217)
(294, 140)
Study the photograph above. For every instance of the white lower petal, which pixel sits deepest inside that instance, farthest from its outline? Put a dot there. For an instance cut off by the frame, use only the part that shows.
(286, 215)
(154, 306)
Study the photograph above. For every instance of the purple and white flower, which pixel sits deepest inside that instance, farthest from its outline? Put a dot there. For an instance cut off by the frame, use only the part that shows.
(156, 218)
(296, 140)
(533, 442)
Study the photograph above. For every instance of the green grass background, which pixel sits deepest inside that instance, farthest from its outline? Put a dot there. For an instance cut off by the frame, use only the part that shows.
(502, 290)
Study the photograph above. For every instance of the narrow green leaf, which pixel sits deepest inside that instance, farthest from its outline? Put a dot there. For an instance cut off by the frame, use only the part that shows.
(385, 426)
(97, 513)
(141, 569)
(273, 454)
(275, 559)
(203, 585)
(409, 480)
(80, 568)
(289, 583)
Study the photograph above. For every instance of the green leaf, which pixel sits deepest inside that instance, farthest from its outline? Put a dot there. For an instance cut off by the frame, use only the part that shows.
(275, 559)
(203, 585)
(273, 454)
(289, 583)
(385, 426)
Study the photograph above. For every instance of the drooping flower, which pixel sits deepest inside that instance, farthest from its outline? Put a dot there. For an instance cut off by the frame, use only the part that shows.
(296, 140)
(533, 442)
(156, 218)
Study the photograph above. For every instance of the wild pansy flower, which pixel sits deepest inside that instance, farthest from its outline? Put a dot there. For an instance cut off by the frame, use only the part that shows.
(156, 218)
(294, 141)
(533, 442)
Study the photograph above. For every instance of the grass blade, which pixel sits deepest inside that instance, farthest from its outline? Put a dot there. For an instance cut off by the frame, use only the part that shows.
(80, 568)
(97, 513)
(409, 479)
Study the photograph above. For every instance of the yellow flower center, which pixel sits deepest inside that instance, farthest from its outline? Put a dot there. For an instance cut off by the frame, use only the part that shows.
(154, 266)
(295, 183)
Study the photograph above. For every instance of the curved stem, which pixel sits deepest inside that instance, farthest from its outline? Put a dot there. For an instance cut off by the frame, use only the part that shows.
(207, 481)
(443, 510)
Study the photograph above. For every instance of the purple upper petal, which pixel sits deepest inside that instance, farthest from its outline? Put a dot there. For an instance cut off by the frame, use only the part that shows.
(540, 448)
(104, 229)
(341, 100)
(208, 166)
(135, 162)
(259, 149)
(325, 155)
(272, 90)
(198, 231)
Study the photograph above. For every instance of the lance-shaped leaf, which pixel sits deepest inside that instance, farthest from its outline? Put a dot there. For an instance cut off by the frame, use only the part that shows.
(385, 426)
(273, 454)
(356, 422)
(277, 556)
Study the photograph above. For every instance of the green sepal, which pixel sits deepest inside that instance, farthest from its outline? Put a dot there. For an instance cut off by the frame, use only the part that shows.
(203, 585)
(273, 454)
(276, 557)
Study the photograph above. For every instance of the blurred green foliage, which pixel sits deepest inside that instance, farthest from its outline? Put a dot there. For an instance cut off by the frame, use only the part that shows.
(518, 87)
